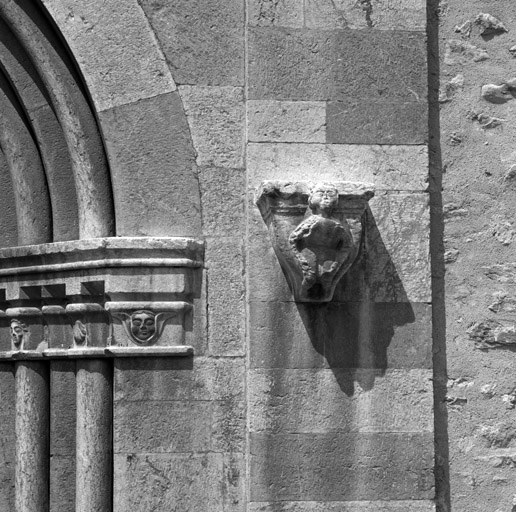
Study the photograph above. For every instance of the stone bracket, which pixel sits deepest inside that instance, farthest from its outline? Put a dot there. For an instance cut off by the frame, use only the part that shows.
(314, 250)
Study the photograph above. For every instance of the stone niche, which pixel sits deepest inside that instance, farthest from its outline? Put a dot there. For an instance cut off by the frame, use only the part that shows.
(101, 297)
(316, 231)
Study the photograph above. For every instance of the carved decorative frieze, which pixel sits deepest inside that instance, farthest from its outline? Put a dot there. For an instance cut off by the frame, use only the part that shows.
(109, 297)
(316, 231)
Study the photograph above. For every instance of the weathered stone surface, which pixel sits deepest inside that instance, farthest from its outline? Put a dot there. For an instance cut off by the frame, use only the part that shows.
(153, 171)
(225, 307)
(286, 121)
(229, 426)
(289, 401)
(364, 122)
(289, 335)
(325, 65)
(94, 460)
(344, 506)
(216, 120)
(395, 264)
(489, 25)
(106, 41)
(338, 467)
(222, 200)
(159, 426)
(62, 483)
(393, 15)
(203, 42)
(63, 410)
(161, 482)
(493, 334)
(388, 167)
(403, 224)
(179, 379)
(287, 13)
(7, 435)
(460, 52)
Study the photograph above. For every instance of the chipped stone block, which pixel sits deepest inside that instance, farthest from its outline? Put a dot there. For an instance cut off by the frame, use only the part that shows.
(202, 41)
(337, 467)
(225, 306)
(460, 52)
(387, 167)
(378, 14)
(289, 401)
(286, 121)
(216, 119)
(489, 25)
(377, 122)
(107, 41)
(286, 13)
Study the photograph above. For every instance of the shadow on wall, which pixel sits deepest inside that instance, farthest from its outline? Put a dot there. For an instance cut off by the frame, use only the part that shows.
(355, 329)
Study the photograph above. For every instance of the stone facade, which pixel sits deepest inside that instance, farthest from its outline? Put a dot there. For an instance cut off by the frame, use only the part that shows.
(225, 226)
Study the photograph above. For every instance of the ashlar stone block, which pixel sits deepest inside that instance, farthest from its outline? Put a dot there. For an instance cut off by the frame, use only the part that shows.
(286, 401)
(389, 167)
(341, 467)
(286, 13)
(202, 41)
(286, 121)
(376, 14)
(107, 41)
(216, 120)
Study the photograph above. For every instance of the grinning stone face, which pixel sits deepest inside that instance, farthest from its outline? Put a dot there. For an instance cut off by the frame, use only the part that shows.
(143, 325)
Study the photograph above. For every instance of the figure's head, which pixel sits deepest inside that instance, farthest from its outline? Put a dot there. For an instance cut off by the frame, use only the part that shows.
(324, 198)
(143, 325)
(18, 329)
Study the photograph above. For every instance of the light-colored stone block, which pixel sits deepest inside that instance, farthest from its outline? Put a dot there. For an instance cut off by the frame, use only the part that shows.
(289, 401)
(344, 506)
(376, 14)
(115, 49)
(216, 119)
(387, 167)
(286, 121)
(282, 13)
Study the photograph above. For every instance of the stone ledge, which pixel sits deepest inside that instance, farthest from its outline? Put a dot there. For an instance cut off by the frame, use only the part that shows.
(98, 352)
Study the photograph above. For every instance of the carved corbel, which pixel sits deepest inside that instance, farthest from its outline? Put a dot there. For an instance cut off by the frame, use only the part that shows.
(27, 329)
(144, 323)
(316, 231)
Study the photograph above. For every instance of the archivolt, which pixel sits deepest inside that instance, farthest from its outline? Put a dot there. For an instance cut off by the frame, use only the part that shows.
(48, 135)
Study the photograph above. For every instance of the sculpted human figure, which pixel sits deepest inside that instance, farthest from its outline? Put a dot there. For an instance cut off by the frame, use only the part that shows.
(321, 243)
(143, 325)
(18, 330)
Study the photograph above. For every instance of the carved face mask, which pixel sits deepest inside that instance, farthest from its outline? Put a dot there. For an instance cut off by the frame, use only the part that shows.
(323, 198)
(17, 331)
(143, 325)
